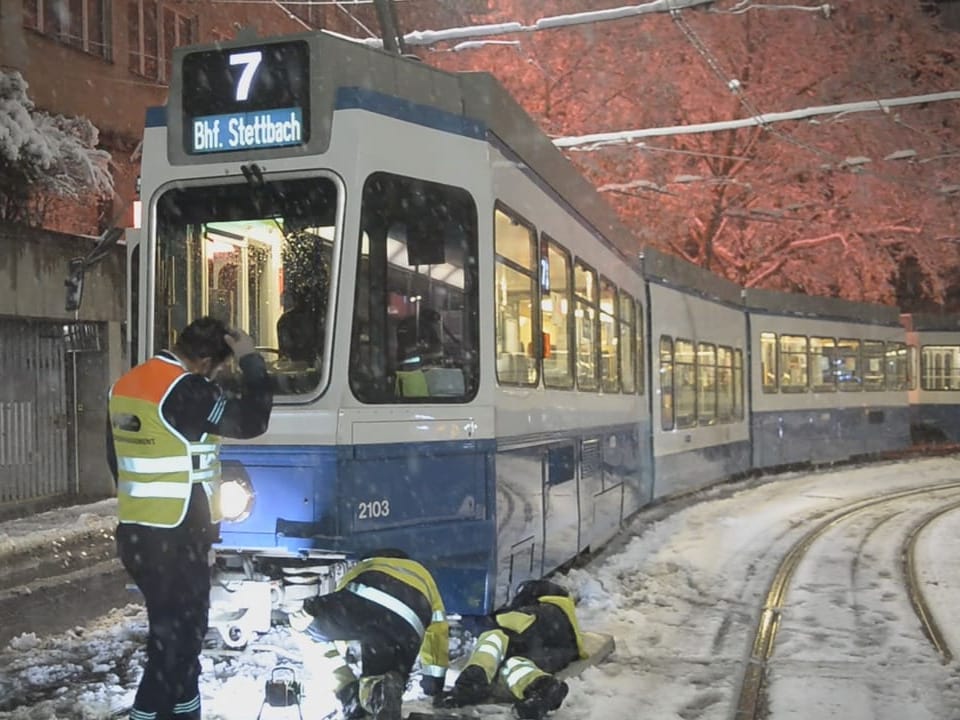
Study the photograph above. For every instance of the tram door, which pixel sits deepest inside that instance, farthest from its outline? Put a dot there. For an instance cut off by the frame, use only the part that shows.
(561, 505)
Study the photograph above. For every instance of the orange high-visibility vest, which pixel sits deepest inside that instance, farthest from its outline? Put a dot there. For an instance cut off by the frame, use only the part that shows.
(156, 465)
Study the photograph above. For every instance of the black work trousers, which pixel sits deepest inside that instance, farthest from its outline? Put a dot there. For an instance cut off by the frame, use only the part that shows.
(387, 641)
(171, 569)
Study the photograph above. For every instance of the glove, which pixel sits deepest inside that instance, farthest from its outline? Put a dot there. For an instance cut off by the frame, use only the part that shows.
(431, 686)
(240, 343)
(300, 620)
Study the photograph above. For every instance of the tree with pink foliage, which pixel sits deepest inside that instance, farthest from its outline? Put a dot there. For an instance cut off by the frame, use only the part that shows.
(864, 206)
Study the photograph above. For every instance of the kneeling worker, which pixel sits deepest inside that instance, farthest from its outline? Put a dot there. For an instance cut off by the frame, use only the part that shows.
(536, 635)
(391, 605)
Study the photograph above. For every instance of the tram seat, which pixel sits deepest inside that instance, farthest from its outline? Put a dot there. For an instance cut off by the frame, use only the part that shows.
(412, 384)
(430, 382)
(445, 382)
(513, 368)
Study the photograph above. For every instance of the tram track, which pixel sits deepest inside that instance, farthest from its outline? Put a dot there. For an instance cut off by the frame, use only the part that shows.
(917, 598)
(752, 701)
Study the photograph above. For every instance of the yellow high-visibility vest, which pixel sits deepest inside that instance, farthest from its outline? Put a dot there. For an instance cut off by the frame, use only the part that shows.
(156, 465)
(434, 650)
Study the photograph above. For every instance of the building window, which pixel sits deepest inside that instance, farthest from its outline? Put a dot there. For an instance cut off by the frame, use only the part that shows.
(81, 24)
(154, 30)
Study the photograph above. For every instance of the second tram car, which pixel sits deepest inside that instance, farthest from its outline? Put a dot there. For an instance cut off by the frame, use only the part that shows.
(698, 346)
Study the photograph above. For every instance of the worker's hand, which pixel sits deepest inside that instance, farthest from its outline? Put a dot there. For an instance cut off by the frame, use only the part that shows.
(240, 343)
(300, 620)
(432, 686)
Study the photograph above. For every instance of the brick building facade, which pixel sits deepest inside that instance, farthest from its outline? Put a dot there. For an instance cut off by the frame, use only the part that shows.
(108, 60)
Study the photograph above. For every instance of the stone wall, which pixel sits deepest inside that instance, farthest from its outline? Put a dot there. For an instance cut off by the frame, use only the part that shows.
(33, 267)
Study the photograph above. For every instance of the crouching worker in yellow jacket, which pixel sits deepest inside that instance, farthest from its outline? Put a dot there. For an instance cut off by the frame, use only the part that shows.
(536, 635)
(390, 605)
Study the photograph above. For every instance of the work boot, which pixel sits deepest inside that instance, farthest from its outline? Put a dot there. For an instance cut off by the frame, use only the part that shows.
(545, 694)
(471, 688)
(349, 697)
(386, 697)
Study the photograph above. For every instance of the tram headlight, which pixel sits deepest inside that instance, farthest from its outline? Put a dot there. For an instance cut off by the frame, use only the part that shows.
(236, 500)
(236, 492)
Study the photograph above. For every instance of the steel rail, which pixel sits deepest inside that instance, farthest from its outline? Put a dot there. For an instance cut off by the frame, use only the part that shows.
(930, 627)
(751, 698)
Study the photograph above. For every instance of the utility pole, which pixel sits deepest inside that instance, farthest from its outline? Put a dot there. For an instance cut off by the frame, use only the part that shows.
(389, 27)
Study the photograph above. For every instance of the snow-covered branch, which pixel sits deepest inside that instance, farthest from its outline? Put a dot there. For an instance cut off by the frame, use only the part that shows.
(45, 154)
(623, 136)
(431, 37)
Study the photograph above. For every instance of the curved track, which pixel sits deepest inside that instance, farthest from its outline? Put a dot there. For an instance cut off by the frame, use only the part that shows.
(752, 703)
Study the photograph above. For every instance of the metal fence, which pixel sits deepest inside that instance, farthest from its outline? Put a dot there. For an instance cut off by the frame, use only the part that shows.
(37, 406)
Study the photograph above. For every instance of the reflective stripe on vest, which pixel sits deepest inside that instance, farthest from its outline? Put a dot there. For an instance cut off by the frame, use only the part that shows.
(489, 652)
(389, 602)
(156, 465)
(519, 673)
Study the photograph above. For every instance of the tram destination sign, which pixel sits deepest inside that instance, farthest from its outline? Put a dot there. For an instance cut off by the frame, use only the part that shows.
(247, 98)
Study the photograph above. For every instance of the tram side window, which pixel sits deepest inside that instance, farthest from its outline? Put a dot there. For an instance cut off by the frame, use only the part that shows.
(609, 338)
(685, 380)
(913, 366)
(516, 292)
(848, 367)
(897, 366)
(725, 384)
(641, 348)
(793, 363)
(940, 369)
(874, 370)
(768, 362)
(738, 384)
(706, 383)
(667, 420)
(585, 325)
(823, 352)
(555, 317)
(416, 323)
(628, 343)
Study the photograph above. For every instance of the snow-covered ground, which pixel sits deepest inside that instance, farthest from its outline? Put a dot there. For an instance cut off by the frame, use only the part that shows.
(680, 592)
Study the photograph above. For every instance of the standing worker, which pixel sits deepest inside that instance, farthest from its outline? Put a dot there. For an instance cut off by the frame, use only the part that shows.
(391, 605)
(536, 635)
(163, 447)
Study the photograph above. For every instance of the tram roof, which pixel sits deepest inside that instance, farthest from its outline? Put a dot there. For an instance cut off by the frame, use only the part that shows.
(930, 321)
(479, 97)
(786, 303)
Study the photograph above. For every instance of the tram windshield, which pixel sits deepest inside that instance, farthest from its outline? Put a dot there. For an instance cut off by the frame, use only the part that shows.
(258, 257)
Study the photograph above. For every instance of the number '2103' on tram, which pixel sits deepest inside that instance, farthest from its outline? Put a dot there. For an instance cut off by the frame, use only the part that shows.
(455, 349)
